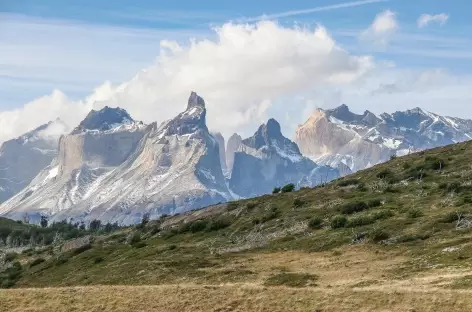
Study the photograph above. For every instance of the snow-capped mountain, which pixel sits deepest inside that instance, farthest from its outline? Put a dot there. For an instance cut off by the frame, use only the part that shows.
(23, 158)
(115, 169)
(352, 142)
(268, 159)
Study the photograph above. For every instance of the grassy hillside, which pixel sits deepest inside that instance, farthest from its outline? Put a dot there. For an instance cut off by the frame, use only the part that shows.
(403, 225)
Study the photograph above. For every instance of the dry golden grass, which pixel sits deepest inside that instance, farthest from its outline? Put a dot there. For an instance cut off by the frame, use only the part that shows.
(357, 279)
(229, 298)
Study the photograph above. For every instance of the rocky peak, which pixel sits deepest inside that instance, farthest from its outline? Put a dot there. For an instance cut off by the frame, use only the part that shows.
(195, 100)
(265, 135)
(191, 120)
(104, 119)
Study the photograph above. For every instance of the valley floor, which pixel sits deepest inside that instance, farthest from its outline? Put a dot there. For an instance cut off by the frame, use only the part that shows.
(358, 279)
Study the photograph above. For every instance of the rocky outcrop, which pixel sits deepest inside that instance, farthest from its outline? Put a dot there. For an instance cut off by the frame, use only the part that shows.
(232, 146)
(222, 150)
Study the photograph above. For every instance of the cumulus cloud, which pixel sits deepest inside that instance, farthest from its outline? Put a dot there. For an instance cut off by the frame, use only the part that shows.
(240, 74)
(382, 28)
(425, 19)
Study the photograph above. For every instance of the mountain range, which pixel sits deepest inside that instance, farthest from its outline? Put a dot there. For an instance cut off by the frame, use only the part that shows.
(351, 142)
(116, 169)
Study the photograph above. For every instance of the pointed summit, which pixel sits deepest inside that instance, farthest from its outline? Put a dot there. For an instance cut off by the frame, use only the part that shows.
(104, 119)
(195, 100)
(191, 120)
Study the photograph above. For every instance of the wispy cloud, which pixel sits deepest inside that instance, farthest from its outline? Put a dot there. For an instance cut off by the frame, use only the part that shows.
(311, 10)
(425, 19)
(382, 28)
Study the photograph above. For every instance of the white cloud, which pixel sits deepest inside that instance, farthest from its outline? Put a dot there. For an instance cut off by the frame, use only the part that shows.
(425, 19)
(240, 74)
(382, 28)
(248, 73)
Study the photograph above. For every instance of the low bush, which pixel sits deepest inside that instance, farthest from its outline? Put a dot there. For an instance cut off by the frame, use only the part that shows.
(273, 213)
(139, 245)
(414, 213)
(288, 188)
(218, 224)
(378, 235)
(360, 220)
(9, 257)
(348, 182)
(97, 260)
(297, 202)
(81, 249)
(251, 205)
(338, 221)
(315, 223)
(276, 190)
(36, 262)
(135, 238)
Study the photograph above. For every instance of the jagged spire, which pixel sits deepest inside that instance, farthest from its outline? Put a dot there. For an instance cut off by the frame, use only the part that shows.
(195, 100)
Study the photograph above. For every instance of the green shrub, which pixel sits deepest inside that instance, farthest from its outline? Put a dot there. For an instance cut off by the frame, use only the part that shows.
(315, 223)
(198, 226)
(374, 203)
(288, 188)
(218, 224)
(378, 235)
(338, 221)
(139, 245)
(298, 202)
(136, 238)
(360, 220)
(385, 174)
(434, 163)
(354, 207)
(36, 262)
(60, 260)
(276, 190)
(270, 215)
(361, 187)
(81, 249)
(97, 260)
(414, 213)
(9, 257)
(251, 205)
(450, 217)
(348, 182)
(382, 214)
(452, 187)
(413, 237)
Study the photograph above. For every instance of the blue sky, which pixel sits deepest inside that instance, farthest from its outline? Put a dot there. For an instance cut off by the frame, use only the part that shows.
(76, 46)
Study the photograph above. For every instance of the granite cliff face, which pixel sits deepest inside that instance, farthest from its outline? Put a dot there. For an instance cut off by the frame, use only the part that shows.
(352, 142)
(23, 158)
(268, 159)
